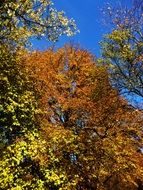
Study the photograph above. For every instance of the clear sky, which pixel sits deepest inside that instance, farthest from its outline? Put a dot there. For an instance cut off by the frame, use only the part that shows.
(89, 20)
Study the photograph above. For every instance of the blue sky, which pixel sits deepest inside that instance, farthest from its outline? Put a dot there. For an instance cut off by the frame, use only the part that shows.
(88, 17)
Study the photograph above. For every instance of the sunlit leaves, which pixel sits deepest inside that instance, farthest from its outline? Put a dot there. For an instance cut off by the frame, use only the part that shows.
(17, 162)
(122, 51)
(16, 100)
(20, 20)
(93, 136)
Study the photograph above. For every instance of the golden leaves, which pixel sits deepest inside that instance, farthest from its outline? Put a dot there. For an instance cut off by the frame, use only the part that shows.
(89, 136)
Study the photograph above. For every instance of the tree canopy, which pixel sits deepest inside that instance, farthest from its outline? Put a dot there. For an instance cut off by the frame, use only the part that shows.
(92, 137)
(63, 122)
(123, 50)
(20, 20)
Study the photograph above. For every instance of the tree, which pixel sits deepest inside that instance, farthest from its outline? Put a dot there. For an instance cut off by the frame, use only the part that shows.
(21, 144)
(123, 48)
(17, 100)
(20, 20)
(19, 131)
(93, 138)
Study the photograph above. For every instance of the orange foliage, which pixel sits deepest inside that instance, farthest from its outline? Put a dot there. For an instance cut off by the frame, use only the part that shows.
(78, 102)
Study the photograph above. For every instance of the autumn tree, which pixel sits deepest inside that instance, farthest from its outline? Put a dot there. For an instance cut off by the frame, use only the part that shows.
(20, 20)
(14, 94)
(92, 137)
(123, 49)
(20, 139)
